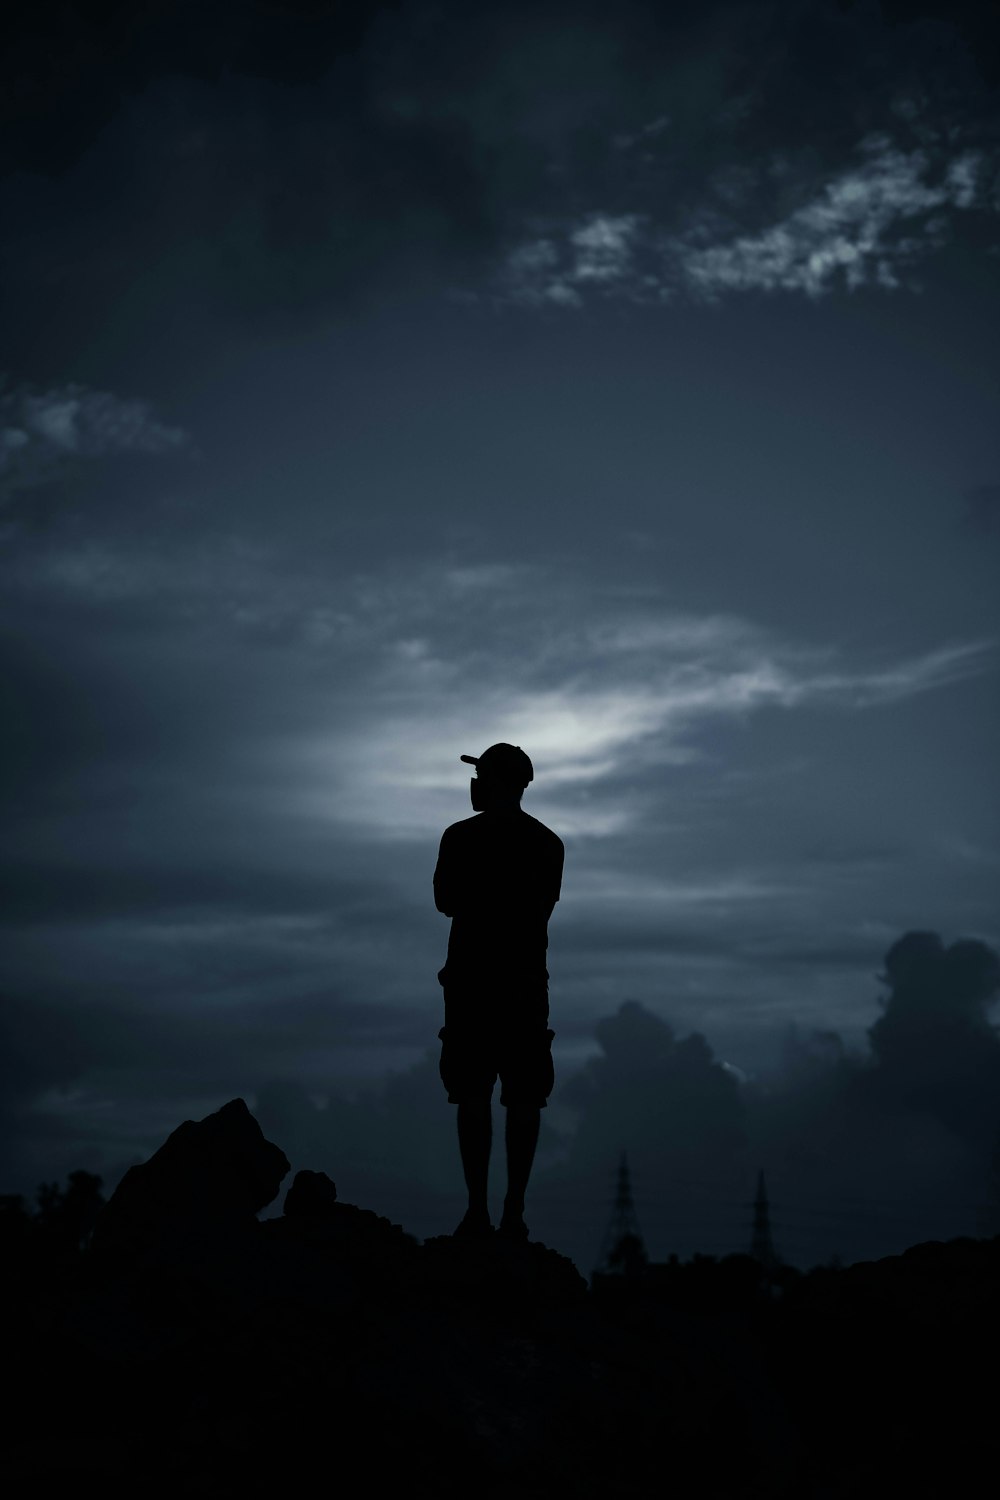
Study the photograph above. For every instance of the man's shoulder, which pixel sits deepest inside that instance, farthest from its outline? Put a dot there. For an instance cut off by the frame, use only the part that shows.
(542, 832)
(462, 827)
(482, 826)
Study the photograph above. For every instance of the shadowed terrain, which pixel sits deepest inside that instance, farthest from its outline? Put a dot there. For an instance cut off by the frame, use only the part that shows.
(184, 1346)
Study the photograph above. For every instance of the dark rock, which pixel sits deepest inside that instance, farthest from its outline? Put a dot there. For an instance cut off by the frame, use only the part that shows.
(354, 1240)
(350, 1238)
(480, 1365)
(502, 1273)
(216, 1173)
(311, 1195)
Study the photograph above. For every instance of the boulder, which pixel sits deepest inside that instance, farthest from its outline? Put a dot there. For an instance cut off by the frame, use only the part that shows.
(216, 1173)
(311, 1195)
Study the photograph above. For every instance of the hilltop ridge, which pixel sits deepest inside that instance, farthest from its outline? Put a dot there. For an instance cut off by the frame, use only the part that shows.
(194, 1348)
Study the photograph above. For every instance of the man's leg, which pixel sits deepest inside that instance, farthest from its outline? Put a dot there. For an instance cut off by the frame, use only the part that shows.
(522, 1138)
(475, 1137)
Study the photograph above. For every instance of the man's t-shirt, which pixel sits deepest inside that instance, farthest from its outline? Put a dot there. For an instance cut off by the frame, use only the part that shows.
(498, 877)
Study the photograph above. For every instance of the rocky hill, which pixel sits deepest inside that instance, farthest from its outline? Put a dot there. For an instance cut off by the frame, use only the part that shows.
(194, 1349)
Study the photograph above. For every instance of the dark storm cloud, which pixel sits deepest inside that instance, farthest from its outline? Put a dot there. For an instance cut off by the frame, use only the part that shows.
(904, 1133)
(573, 151)
(238, 816)
(936, 1049)
(623, 934)
(865, 1151)
(201, 1050)
(83, 891)
(232, 735)
(977, 24)
(76, 1073)
(689, 560)
(211, 182)
(67, 68)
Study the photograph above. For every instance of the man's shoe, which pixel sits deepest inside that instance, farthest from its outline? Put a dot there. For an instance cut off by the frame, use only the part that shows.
(474, 1227)
(513, 1227)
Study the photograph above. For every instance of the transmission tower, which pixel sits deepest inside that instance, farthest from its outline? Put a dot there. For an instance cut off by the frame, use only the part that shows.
(623, 1252)
(761, 1244)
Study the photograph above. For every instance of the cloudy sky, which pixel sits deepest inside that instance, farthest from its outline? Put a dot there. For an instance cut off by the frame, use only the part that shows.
(385, 380)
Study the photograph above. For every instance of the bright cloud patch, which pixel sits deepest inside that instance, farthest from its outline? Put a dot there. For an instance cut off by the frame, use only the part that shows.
(862, 228)
(597, 710)
(598, 253)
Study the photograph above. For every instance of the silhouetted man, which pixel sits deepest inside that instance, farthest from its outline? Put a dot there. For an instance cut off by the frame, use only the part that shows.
(498, 877)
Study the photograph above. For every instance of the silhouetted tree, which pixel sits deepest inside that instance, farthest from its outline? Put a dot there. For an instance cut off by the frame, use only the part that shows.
(65, 1217)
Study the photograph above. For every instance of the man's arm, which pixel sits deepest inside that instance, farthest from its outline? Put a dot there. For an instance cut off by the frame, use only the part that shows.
(555, 875)
(443, 891)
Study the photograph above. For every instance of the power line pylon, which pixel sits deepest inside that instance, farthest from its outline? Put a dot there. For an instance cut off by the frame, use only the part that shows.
(623, 1252)
(761, 1244)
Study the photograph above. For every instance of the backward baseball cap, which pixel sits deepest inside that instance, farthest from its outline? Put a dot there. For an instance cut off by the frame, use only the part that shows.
(503, 763)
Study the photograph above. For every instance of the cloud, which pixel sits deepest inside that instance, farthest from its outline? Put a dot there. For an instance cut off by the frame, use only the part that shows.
(76, 1071)
(865, 1153)
(231, 808)
(376, 683)
(44, 434)
(186, 166)
(936, 1048)
(891, 1145)
(599, 706)
(862, 227)
(597, 254)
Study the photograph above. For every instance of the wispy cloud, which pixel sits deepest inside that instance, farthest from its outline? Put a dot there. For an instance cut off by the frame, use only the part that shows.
(861, 229)
(864, 226)
(596, 254)
(42, 433)
(596, 707)
(411, 677)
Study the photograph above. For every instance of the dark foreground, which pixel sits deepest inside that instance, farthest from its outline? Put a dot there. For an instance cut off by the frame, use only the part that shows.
(192, 1350)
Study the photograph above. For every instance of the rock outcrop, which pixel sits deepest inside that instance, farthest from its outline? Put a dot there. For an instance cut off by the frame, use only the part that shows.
(199, 1351)
(311, 1196)
(212, 1174)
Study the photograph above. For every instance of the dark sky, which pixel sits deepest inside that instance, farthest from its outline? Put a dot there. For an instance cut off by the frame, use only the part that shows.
(383, 381)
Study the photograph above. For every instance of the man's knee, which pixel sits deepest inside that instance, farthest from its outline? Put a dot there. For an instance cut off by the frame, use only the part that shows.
(527, 1072)
(523, 1119)
(467, 1069)
(475, 1112)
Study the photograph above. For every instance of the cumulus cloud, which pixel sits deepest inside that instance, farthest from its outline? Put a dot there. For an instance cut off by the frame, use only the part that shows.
(865, 1151)
(875, 1149)
(864, 226)
(282, 788)
(43, 433)
(935, 1045)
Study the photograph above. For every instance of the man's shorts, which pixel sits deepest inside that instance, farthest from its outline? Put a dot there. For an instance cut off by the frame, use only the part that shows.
(497, 1027)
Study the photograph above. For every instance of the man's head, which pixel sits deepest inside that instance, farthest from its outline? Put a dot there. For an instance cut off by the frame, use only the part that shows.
(502, 773)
